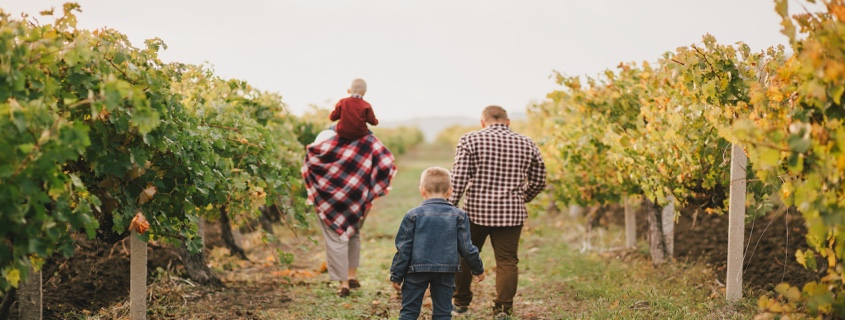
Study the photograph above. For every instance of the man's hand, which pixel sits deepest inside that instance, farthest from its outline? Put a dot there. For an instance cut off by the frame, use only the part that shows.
(397, 286)
(479, 278)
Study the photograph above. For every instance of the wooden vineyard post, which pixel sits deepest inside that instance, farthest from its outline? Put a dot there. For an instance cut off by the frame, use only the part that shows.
(137, 278)
(736, 225)
(668, 226)
(630, 224)
(30, 297)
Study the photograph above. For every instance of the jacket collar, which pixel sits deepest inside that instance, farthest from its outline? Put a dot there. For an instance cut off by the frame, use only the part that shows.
(436, 200)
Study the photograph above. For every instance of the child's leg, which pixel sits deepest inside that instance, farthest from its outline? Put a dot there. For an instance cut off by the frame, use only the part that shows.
(442, 288)
(413, 291)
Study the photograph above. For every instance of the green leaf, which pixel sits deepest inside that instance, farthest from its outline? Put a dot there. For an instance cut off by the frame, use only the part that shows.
(26, 148)
(836, 93)
(769, 157)
(799, 144)
(119, 57)
(145, 119)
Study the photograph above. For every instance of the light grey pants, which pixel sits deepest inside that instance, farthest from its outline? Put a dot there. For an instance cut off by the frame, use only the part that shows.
(341, 255)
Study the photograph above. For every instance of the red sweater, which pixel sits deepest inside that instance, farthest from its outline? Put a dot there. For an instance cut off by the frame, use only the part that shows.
(354, 113)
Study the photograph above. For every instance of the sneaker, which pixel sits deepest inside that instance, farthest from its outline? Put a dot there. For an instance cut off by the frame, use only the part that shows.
(502, 316)
(459, 310)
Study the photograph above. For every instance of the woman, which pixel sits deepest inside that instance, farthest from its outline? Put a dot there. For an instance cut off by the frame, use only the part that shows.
(343, 178)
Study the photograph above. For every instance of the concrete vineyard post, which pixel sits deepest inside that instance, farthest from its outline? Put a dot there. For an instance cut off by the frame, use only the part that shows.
(576, 211)
(668, 226)
(137, 278)
(736, 226)
(630, 224)
(30, 297)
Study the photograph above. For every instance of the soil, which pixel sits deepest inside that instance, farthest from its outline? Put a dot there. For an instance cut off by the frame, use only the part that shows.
(771, 242)
(96, 277)
(702, 237)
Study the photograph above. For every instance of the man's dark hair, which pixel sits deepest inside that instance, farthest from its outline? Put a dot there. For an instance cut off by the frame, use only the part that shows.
(494, 114)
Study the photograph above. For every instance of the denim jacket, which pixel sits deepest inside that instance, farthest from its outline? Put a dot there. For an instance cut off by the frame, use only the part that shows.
(431, 238)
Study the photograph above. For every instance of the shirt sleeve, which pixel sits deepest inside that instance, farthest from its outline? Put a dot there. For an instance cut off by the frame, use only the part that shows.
(404, 249)
(462, 170)
(335, 115)
(536, 175)
(466, 249)
(371, 117)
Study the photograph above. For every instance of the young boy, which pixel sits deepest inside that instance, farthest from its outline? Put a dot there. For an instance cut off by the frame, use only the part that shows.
(354, 113)
(429, 241)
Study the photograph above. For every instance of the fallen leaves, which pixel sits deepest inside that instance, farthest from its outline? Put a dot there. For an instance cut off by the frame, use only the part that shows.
(294, 273)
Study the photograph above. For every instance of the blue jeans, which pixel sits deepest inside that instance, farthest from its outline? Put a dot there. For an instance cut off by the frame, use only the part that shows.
(413, 290)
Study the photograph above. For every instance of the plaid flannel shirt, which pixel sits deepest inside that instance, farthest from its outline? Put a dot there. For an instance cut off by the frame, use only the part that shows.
(344, 177)
(500, 170)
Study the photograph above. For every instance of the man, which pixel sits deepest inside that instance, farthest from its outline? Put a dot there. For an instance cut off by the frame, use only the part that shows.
(500, 171)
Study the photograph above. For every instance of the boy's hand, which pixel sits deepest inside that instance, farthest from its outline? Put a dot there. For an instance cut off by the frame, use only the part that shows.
(479, 278)
(397, 286)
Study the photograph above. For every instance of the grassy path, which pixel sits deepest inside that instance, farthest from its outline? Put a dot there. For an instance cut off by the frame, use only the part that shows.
(557, 281)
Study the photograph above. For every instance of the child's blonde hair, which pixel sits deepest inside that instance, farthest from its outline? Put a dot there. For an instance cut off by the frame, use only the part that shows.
(436, 180)
(358, 86)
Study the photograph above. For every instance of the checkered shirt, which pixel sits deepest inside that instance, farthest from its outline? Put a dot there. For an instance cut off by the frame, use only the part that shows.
(500, 171)
(344, 177)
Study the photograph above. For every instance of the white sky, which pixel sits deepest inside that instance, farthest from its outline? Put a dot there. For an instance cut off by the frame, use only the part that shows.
(421, 58)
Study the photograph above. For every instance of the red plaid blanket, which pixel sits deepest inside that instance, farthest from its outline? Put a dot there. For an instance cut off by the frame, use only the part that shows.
(343, 178)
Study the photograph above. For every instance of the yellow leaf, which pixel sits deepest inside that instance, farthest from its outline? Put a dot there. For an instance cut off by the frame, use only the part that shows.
(831, 258)
(782, 287)
(775, 306)
(763, 302)
(793, 294)
(13, 277)
(774, 93)
(802, 260)
(840, 162)
(36, 262)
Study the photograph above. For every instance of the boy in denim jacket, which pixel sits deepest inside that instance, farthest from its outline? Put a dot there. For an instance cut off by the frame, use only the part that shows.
(429, 242)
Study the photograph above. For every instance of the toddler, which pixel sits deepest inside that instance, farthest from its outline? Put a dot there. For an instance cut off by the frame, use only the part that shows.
(353, 113)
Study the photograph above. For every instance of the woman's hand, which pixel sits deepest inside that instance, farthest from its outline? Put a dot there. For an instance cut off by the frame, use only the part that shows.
(479, 278)
(397, 286)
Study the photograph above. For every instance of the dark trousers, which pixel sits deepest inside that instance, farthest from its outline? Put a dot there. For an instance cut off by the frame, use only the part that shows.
(505, 242)
(413, 290)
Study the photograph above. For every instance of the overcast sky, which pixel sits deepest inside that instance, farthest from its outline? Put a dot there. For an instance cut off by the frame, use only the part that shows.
(421, 58)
